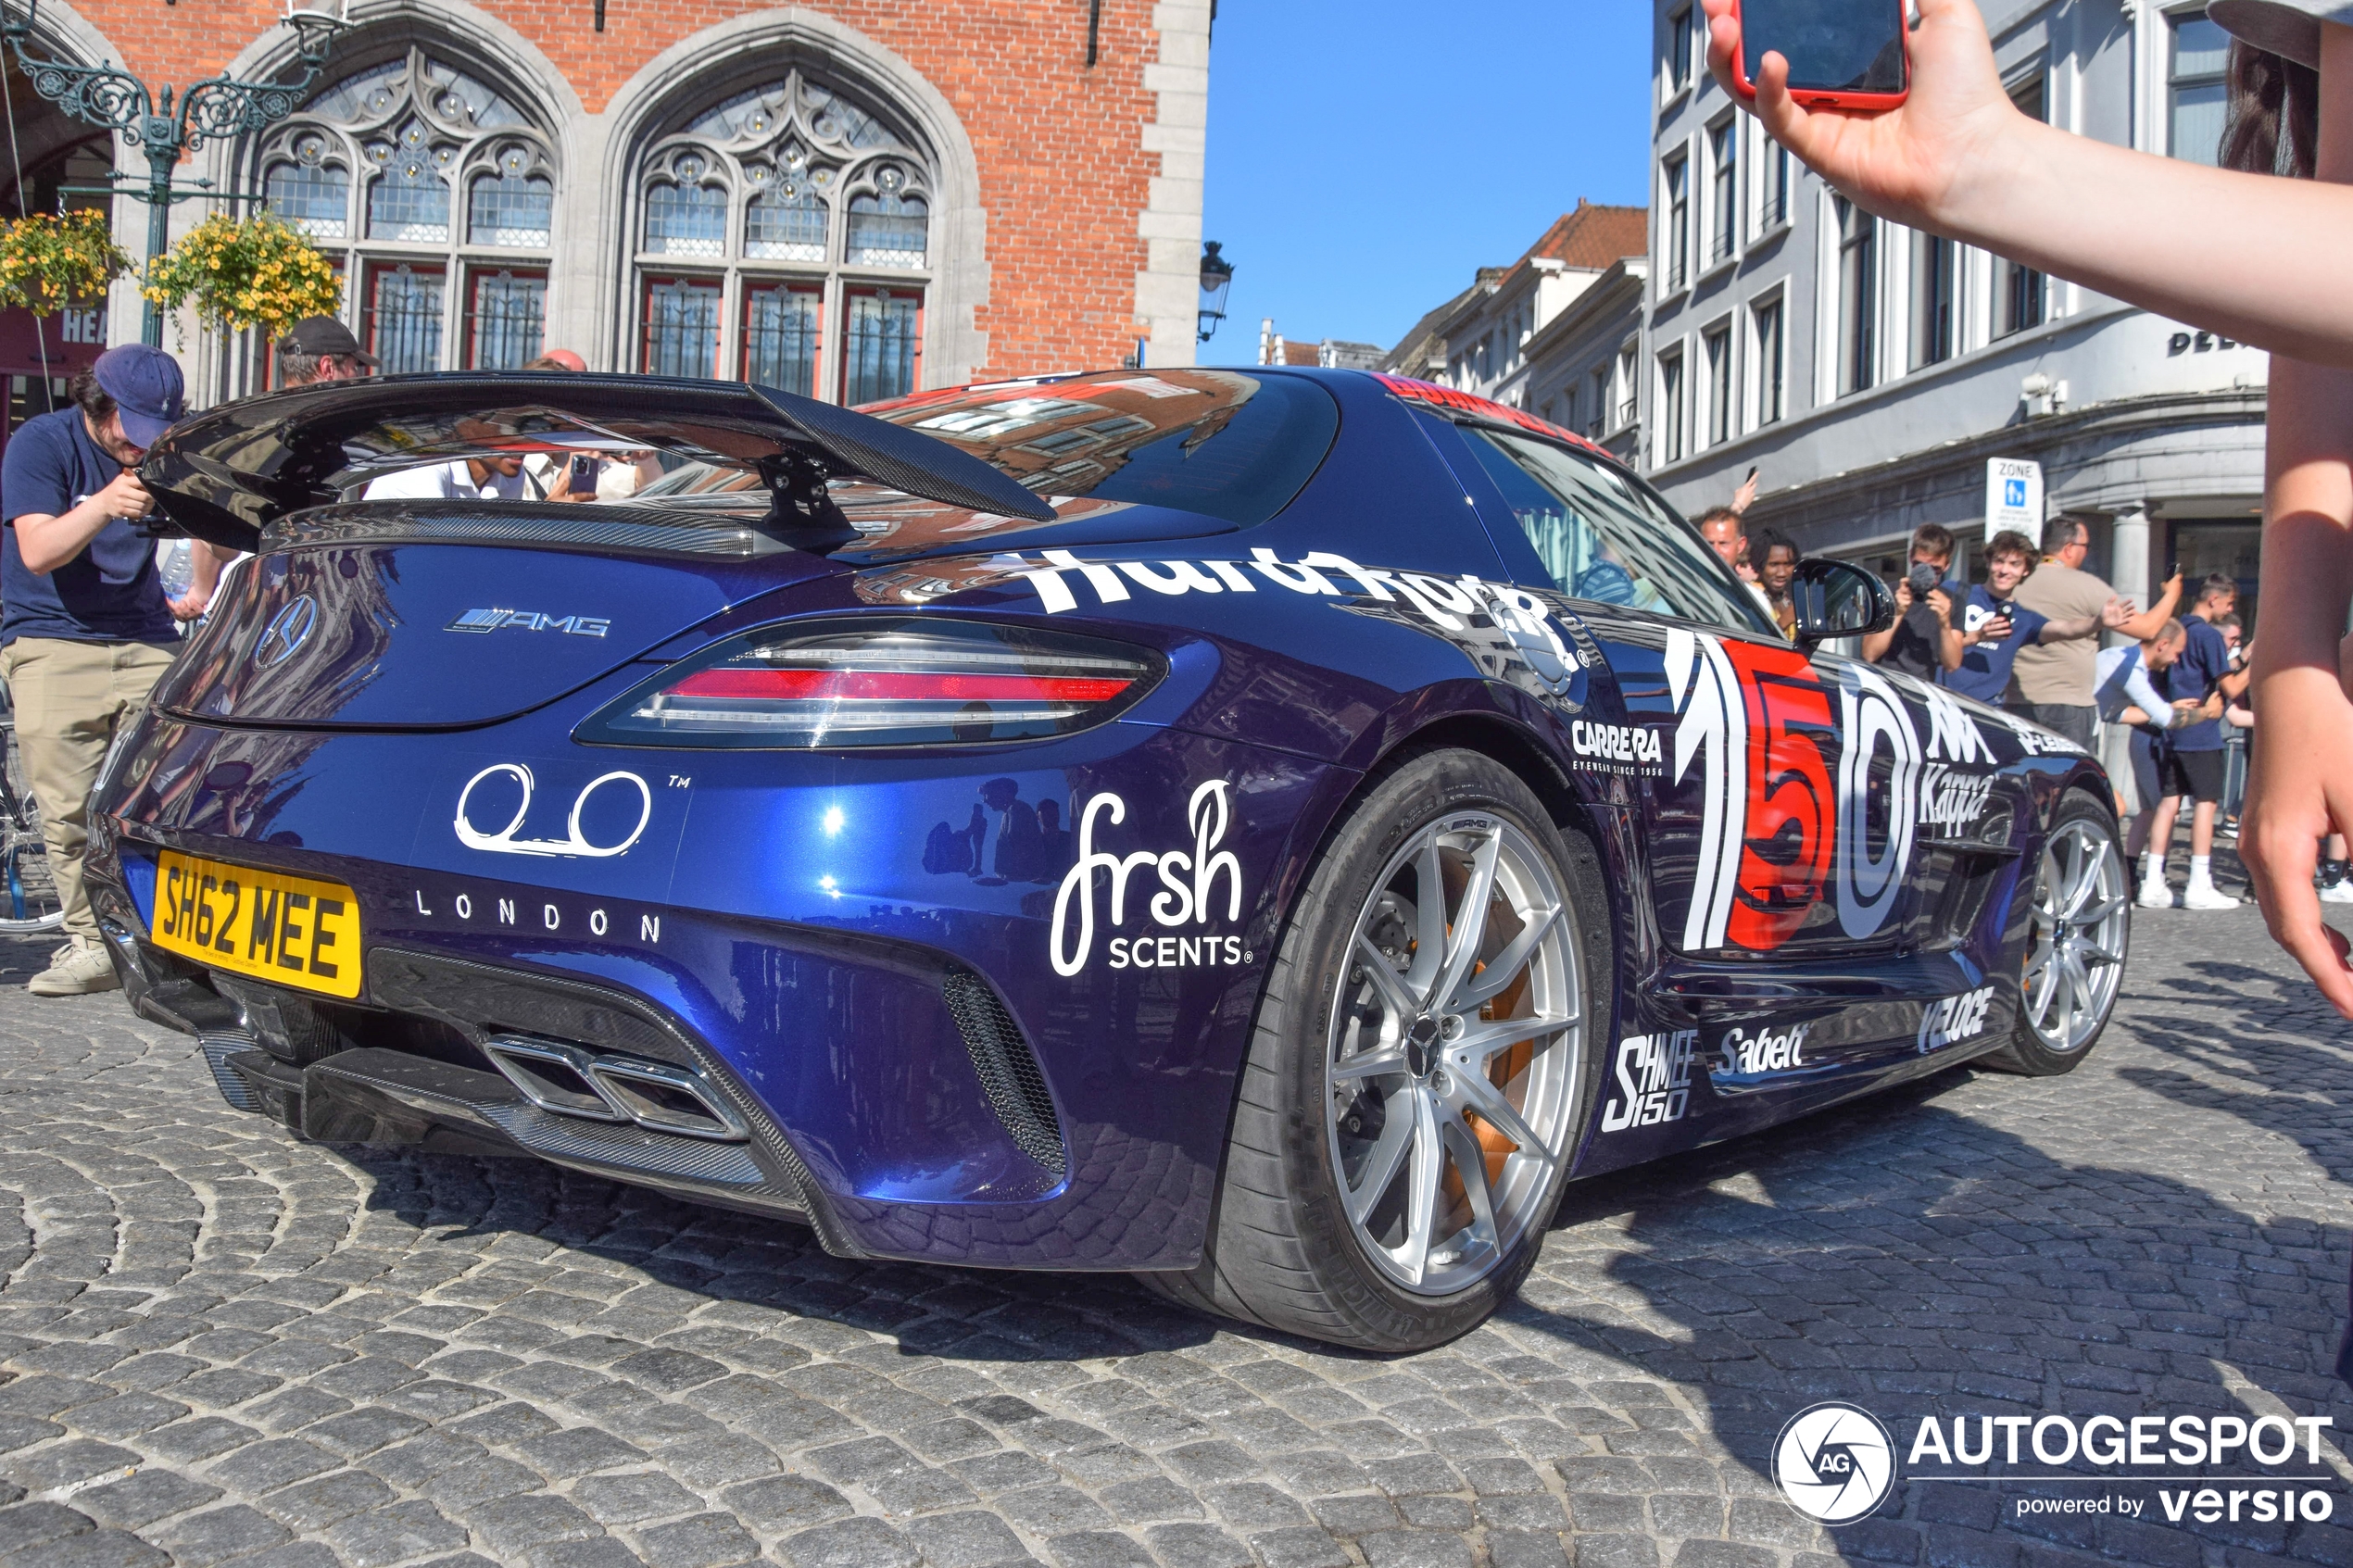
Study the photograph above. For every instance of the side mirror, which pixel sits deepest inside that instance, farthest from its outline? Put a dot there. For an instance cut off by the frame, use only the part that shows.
(1836, 599)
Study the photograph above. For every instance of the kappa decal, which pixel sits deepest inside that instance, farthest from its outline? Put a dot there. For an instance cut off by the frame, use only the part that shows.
(1955, 1019)
(1188, 880)
(1765, 1050)
(1654, 1081)
(1953, 801)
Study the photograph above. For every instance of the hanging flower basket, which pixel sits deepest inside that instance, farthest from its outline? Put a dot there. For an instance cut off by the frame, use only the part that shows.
(48, 263)
(260, 273)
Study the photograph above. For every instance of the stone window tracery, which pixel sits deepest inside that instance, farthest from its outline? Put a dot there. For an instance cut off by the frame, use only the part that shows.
(784, 237)
(434, 192)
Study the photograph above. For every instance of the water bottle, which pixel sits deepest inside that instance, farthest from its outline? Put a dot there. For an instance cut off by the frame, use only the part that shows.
(175, 563)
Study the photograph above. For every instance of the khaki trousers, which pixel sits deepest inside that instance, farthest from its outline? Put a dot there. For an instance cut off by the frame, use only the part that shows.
(71, 698)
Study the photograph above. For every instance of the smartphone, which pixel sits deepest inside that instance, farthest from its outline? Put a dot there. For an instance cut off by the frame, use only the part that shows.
(1842, 54)
(584, 472)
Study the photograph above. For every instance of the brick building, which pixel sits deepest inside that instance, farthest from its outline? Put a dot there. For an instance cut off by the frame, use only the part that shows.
(852, 198)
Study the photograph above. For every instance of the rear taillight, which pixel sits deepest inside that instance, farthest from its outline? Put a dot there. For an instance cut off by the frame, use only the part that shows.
(881, 683)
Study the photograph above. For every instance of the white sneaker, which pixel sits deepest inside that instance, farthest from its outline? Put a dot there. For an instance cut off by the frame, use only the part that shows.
(2155, 895)
(2203, 896)
(2338, 892)
(76, 971)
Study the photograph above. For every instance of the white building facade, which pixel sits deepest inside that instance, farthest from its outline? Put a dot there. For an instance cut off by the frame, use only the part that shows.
(1868, 372)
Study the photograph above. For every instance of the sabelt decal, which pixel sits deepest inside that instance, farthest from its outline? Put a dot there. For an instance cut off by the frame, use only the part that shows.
(1955, 1019)
(1189, 881)
(1654, 1081)
(1766, 1049)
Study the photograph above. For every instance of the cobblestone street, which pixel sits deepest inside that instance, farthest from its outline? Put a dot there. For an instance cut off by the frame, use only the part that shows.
(222, 1345)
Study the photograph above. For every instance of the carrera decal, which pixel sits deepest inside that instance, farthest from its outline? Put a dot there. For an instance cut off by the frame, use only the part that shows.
(1955, 1019)
(1621, 749)
(1188, 881)
(1654, 1081)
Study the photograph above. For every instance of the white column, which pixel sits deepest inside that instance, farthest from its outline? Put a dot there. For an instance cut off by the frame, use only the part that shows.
(2129, 554)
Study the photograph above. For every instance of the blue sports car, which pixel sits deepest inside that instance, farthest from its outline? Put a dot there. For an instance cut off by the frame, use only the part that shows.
(1265, 830)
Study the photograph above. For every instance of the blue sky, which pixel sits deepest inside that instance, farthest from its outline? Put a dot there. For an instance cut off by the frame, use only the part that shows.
(1367, 155)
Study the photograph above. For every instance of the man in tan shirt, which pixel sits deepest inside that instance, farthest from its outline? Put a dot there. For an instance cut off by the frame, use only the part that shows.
(2051, 681)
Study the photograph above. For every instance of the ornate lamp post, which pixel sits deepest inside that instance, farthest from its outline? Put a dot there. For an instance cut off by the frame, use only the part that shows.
(1216, 277)
(213, 108)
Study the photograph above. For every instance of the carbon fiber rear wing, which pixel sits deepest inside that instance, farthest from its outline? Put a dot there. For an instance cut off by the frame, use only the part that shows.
(225, 474)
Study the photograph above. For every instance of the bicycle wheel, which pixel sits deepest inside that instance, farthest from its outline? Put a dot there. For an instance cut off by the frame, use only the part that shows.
(28, 900)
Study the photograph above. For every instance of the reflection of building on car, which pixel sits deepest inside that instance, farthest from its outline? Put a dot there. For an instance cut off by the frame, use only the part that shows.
(887, 824)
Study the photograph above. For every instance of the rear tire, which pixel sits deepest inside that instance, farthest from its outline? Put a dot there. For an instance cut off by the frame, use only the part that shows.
(2081, 928)
(1371, 1195)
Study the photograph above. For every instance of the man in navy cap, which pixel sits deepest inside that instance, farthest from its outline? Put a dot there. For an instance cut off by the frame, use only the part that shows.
(85, 630)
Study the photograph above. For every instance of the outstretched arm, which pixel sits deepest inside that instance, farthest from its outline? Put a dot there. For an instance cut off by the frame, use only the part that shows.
(1960, 159)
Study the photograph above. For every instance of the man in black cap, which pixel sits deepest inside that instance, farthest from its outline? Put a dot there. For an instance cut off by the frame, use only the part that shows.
(85, 630)
(321, 348)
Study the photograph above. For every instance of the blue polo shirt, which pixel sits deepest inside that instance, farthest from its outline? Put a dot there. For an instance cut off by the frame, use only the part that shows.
(2205, 660)
(1986, 667)
(110, 592)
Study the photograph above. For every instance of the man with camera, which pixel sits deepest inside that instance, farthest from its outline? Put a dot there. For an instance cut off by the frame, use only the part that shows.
(1923, 642)
(86, 629)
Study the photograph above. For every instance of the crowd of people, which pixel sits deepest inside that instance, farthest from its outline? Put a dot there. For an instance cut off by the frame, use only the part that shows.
(2159, 709)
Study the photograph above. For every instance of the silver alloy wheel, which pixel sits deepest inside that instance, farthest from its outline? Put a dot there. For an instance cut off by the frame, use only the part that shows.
(1464, 953)
(2080, 920)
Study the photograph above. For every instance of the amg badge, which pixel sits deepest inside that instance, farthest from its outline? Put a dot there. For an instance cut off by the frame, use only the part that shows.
(529, 620)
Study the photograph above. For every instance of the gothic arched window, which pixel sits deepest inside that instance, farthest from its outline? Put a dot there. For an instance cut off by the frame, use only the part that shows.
(784, 238)
(435, 194)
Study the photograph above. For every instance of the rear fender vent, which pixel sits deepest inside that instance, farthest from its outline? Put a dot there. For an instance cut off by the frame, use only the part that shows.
(1008, 1069)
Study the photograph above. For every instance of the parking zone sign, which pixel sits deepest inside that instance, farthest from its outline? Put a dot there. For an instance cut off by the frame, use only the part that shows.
(2014, 497)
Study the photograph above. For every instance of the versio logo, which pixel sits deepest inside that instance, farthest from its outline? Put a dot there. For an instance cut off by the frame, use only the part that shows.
(1835, 1462)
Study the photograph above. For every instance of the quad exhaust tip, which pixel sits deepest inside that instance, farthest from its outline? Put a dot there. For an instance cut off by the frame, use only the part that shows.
(572, 1081)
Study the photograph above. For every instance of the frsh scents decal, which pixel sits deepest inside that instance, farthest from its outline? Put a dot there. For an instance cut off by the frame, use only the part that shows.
(1189, 881)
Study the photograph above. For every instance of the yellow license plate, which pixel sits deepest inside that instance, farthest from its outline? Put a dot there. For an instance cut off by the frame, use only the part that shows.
(289, 929)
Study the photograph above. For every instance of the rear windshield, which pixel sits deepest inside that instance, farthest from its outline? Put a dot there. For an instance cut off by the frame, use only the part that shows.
(1219, 443)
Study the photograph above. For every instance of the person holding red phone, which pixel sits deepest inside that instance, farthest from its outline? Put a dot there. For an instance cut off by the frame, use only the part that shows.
(2248, 255)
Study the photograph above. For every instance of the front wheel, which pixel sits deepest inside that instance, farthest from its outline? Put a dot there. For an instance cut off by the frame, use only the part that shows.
(1420, 1072)
(2081, 925)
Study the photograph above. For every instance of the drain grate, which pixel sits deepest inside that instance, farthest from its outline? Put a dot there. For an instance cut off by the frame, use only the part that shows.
(1008, 1070)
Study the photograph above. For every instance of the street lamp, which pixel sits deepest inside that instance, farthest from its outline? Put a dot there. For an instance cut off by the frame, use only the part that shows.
(1216, 277)
(214, 109)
